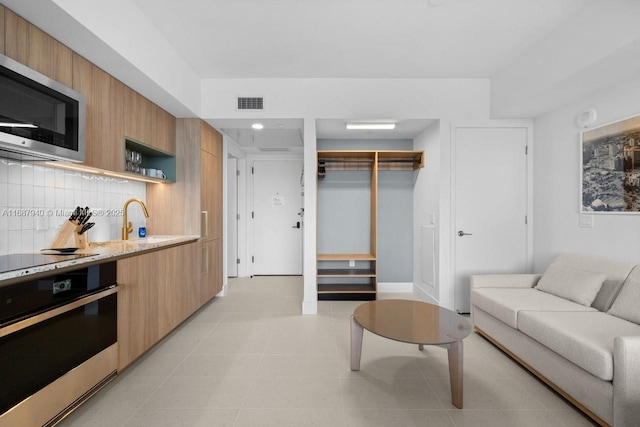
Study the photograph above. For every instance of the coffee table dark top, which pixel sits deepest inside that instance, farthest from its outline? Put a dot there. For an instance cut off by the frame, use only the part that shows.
(412, 321)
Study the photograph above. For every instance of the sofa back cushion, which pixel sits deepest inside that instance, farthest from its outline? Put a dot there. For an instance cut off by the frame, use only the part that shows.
(616, 272)
(569, 283)
(627, 304)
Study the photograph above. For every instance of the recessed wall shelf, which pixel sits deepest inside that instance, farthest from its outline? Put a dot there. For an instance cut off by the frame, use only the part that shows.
(154, 159)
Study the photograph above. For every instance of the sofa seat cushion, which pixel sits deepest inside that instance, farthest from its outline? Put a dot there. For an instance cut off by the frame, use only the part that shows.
(585, 339)
(505, 303)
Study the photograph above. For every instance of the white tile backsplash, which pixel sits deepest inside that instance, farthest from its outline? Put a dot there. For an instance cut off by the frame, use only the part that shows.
(29, 191)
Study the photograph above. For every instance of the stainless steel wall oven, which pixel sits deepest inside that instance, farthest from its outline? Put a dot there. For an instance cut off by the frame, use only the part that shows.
(58, 343)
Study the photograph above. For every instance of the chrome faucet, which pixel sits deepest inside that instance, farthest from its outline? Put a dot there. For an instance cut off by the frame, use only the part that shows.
(127, 226)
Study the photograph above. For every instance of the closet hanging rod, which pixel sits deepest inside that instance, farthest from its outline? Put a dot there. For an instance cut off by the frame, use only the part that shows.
(346, 161)
(398, 160)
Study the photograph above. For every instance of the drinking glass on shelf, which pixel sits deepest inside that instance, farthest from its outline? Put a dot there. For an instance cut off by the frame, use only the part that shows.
(137, 158)
(129, 167)
(128, 155)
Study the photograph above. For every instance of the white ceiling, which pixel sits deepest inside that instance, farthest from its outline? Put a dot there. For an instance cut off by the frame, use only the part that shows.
(537, 54)
(354, 38)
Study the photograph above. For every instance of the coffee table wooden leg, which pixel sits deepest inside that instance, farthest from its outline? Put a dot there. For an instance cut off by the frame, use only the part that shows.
(420, 347)
(455, 353)
(356, 344)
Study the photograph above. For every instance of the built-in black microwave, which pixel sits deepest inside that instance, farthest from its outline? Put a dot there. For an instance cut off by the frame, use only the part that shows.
(40, 118)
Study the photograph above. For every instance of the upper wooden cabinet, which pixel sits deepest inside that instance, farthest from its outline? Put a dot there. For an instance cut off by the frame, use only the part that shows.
(32, 47)
(147, 123)
(138, 117)
(2, 29)
(105, 128)
(164, 137)
(211, 140)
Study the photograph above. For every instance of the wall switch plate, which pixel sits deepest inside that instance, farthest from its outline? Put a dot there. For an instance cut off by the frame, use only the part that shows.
(352, 263)
(586, 221)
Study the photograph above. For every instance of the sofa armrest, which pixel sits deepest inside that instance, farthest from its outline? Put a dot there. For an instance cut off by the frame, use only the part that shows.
(626, 381)
(504, 280)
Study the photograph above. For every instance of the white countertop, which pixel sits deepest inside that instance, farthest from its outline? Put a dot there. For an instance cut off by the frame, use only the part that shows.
(111, 250)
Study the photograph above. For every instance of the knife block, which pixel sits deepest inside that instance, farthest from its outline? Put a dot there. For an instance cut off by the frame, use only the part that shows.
(68, 236)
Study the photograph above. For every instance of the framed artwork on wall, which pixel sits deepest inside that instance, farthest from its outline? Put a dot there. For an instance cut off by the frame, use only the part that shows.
(610, 168)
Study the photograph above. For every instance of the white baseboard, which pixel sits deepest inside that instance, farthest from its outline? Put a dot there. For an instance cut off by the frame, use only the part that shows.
(423, 295)
(401, 287)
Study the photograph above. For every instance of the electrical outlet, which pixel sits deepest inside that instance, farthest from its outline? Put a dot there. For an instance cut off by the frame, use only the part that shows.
(352, 263)
(586, 221)
(42, 223)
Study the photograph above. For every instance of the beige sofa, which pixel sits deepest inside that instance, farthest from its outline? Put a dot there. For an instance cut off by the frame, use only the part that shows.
(577, 327)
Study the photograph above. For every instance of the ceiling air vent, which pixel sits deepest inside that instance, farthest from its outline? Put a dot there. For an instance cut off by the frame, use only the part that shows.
(250, 103)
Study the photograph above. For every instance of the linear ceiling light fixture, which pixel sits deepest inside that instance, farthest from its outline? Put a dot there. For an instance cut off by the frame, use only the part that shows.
(371, 126)
(257, 126)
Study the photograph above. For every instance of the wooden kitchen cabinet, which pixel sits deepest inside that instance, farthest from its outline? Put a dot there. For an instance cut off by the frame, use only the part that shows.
(164, 137)
(137, 307)
(34, 48)
(178, 287)
(157, 292)
(146, 123)
(138, 117)
(211, 177)
(105, 116)
(2, 9)
(211, 269)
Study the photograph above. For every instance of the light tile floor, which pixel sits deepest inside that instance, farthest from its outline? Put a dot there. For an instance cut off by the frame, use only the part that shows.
(251, 359)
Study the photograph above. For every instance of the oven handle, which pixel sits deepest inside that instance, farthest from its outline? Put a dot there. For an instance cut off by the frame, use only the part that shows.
(18, 326)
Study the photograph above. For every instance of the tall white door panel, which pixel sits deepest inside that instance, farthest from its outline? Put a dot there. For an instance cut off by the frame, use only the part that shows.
(277, 223)
(490, 205)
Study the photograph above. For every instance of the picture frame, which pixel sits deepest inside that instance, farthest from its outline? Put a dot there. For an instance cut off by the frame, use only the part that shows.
(610, 168)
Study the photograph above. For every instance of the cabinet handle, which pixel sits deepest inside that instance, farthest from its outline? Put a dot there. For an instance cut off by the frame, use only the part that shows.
(205, 224)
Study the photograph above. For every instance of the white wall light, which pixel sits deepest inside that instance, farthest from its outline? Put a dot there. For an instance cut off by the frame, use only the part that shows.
(587, 118)
(371, 126)
(257, 126)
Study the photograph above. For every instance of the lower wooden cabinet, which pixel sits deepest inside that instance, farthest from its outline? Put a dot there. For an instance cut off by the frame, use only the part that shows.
(211, 269)
(157, 292)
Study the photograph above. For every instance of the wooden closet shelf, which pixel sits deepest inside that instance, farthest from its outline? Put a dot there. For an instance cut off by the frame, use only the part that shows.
(346, 272)
(346, 257)
(350, 288)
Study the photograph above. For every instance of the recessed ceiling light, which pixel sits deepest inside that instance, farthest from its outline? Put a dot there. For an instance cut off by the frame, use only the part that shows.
(371, 126)
(257, 126)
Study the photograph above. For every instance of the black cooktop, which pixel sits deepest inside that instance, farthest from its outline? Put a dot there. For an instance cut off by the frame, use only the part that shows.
(13, 262)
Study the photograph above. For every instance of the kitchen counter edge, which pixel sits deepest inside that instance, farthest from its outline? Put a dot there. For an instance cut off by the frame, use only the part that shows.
(109, 251)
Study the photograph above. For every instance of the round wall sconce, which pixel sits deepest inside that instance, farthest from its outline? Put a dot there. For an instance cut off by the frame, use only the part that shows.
(587, 118)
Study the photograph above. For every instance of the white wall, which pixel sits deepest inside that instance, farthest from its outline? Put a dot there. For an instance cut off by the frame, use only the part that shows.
(426, 205)
(557, 183)
(462, 100)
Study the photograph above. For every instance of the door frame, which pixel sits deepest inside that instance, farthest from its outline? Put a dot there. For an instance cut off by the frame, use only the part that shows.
(505, 124)
(251, 158)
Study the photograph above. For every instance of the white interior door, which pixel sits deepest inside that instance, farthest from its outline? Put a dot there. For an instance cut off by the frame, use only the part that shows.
(277, 223)
(232, 217)
(490, 205)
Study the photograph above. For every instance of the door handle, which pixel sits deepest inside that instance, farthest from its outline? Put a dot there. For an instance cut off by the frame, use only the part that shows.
(297, 225)
(462, 233)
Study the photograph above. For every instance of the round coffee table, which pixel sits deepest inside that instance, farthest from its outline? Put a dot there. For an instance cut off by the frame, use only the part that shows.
(413, 322)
